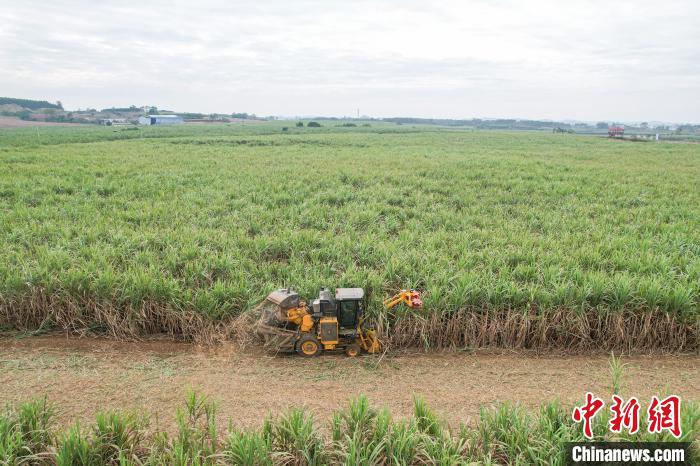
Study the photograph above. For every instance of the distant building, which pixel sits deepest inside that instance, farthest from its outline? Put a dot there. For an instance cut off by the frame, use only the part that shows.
(161, 120)
(616, 132)
(114, 121)
(42, 116)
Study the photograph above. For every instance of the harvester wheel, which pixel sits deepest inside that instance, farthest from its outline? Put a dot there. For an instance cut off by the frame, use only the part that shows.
(308, 346)
(352, 350)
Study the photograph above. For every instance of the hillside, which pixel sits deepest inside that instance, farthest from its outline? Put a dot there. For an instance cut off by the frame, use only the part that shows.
(29, 104)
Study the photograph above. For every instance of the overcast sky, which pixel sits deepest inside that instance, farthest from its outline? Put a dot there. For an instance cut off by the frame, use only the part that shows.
(607, 60)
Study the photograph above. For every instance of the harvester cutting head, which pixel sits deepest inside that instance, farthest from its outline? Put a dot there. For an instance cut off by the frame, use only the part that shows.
(410, 298)
(414, 300)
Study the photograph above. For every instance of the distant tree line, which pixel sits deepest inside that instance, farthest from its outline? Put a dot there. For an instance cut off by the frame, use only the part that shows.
(504, 123)
(30, 104)
(316, 124)
(130, 109)
(243, 116)
(431, 121)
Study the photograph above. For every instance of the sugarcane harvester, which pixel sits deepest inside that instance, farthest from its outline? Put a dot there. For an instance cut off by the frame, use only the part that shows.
(330, 322)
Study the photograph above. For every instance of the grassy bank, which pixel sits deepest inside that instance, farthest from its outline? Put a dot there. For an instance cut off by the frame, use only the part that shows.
(538, 239)
(359, 434)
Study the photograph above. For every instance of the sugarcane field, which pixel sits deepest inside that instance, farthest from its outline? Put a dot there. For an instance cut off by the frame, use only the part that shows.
(387, 269)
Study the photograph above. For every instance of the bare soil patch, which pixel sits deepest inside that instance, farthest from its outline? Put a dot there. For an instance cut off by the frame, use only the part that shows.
(14, 122)
(86, 375)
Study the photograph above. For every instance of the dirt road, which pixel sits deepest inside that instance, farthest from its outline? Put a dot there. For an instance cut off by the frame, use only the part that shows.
(83, 376)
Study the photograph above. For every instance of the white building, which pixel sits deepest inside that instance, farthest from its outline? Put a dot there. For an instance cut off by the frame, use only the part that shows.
(161, 120)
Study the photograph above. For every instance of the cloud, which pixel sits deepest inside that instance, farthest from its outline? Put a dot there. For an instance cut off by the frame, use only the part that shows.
(543, 59)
